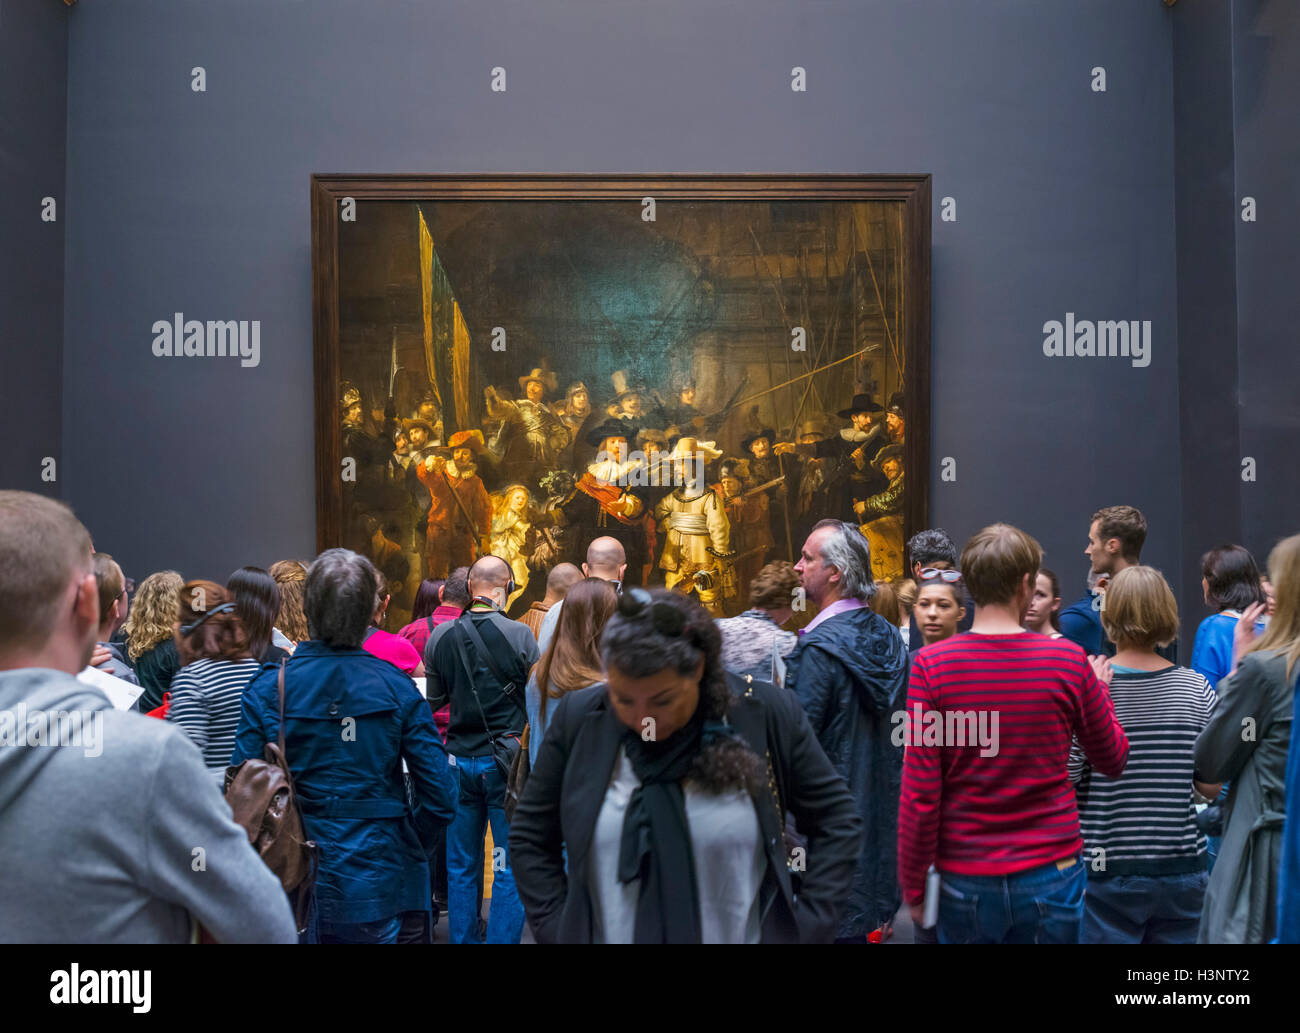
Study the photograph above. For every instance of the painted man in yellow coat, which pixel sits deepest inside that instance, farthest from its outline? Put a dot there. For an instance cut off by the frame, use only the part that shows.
(697, 535)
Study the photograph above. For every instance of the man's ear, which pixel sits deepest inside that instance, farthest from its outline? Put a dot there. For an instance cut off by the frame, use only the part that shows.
(86, 602)
(585, 571)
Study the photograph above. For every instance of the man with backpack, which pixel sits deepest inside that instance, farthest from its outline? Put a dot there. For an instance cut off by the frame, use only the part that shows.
(479, 664)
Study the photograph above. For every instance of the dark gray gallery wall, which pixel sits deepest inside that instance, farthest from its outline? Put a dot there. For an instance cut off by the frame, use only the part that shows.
(198, 203)
(1266, 97)
(33, 132)
(1207, 217)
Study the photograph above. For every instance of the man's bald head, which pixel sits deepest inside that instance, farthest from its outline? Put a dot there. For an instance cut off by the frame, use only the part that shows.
(488, 577)
(559, 579)
(606, 559)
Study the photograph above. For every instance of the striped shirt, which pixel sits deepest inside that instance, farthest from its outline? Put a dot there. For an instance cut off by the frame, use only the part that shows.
(1144, 822)
(206, 698)
(1008, 806)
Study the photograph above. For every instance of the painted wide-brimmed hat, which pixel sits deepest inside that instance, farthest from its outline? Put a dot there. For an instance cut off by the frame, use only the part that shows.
(861, 403)
(428, 427)
(813, 425)
(543, 376)
(750, 438)
(687, 448)
(611, 428)
(471, 439)
(888, 452)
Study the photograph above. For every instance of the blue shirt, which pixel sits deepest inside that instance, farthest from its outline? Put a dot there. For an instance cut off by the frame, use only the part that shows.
(1212, 651)
(1081, 624)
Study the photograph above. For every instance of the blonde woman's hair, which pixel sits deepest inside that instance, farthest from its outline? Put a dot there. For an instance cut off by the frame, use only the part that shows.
(907, 591)
(291, 576)
(154, 611)
(1139, 609)
(1283, 631)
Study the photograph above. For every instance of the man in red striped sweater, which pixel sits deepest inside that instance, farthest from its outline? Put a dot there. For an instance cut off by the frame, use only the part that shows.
(986, 797)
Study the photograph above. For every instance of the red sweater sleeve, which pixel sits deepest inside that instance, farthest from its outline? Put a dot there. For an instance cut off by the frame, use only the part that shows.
(922, 793)
(1099, 732)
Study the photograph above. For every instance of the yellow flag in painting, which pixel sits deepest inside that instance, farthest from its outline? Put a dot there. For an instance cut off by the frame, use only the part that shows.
(426, 298)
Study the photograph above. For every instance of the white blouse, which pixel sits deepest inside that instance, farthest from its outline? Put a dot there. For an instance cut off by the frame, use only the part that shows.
(729, 863)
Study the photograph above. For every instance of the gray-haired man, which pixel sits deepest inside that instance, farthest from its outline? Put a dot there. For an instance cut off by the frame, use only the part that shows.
(849, 670)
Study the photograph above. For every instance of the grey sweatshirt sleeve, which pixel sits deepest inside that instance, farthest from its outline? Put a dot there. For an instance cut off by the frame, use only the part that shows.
(198, 858)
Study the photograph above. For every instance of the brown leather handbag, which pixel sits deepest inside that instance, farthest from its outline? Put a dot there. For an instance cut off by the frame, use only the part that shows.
(262, 797)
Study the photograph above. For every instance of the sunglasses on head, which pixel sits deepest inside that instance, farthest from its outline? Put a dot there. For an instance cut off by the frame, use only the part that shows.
(930, 573)
(187, 629)
(667, 620)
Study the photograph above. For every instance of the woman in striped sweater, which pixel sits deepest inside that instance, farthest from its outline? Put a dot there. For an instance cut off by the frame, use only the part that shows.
(217, 662)
(1146, 859)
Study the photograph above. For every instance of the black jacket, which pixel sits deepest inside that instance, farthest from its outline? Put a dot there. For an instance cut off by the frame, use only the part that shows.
(850, 674)
(566, 790)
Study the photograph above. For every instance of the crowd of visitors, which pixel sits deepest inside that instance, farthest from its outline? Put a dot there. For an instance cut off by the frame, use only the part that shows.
(620, 766)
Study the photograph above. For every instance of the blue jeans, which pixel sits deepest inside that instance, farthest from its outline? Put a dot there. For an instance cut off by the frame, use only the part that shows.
(1144, 908)
(1041, 905)
(482, 799)
(383, 931)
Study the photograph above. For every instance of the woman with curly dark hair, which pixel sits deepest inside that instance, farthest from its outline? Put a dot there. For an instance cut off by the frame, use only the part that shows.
(668, 785)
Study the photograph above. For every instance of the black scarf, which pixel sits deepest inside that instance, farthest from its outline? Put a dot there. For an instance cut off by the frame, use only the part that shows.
(656, 845)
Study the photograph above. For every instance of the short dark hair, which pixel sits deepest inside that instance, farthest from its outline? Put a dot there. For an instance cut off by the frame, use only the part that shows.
(456, 591)
(1232, 576)
(426, 598)
(1125, 523)
(340, 598)
(925, 547)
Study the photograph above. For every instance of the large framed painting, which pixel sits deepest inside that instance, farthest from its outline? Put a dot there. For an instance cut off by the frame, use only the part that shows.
(700, 367)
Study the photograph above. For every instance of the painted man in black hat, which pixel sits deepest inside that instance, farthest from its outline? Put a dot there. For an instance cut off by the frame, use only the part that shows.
(849, 473)
(609, 498)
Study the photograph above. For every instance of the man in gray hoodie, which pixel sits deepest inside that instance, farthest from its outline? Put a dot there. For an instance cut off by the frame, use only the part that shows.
(111, 829)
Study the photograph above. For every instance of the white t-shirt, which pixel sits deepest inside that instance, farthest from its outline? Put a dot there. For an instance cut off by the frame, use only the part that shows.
(729, 863)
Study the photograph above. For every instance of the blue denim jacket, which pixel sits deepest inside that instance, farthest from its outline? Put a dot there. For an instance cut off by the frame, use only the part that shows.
(350, 721)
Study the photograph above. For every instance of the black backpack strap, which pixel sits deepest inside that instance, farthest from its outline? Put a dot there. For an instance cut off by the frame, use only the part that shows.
(507, 683)
(469, 673)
